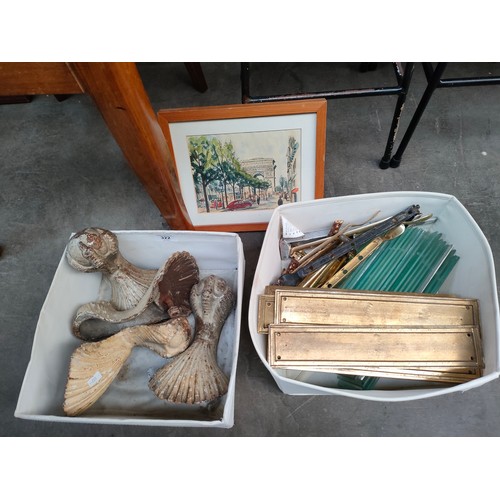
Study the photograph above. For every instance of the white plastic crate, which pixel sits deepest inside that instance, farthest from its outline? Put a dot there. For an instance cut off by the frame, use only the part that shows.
(129, 400)
(473, 277)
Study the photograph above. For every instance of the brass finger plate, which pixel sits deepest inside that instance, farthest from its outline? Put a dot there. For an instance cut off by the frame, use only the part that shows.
(265, 313)
(409, 374)
(324, 346)
(334, 307)
(362, 308)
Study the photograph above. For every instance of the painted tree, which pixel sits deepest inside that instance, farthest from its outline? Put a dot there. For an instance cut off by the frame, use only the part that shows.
(244, 180)
(225, 162)
(234, 176)
(291, 162)
(283, 184)
(202, 168)
(261, 185)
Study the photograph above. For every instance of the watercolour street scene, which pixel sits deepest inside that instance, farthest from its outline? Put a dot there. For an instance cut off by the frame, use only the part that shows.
(245, 171)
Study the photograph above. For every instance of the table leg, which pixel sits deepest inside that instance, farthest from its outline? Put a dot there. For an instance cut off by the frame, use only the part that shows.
(408, 72)
(431, 86)
(119, 93)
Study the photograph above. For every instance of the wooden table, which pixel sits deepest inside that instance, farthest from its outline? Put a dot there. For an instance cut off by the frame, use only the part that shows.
(119, 93)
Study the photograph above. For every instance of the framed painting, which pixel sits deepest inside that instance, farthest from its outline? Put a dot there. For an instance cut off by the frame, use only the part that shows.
(235, 164)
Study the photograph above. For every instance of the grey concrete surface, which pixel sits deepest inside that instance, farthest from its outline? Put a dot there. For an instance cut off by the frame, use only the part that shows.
(61, 171)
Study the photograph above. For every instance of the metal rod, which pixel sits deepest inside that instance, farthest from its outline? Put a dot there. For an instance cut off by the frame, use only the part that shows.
(469, 82)
(460, 82)
(329, 94)
(428, 70)
(432, 85)
(386, 159)
(245, 82)
(398, 69)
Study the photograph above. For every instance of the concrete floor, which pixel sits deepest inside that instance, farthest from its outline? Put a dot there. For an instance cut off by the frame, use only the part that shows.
(62, 171)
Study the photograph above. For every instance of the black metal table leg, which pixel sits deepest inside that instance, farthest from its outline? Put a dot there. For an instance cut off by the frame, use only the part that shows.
(386, 159)
(245, 82)
(431, 86)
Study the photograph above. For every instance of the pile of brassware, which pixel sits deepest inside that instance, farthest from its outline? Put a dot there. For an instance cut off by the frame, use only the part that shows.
(363, 302)
(147, 308)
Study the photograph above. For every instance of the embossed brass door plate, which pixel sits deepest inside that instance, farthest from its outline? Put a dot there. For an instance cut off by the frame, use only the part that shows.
(434, 338)
(355, 308)
(372, 346)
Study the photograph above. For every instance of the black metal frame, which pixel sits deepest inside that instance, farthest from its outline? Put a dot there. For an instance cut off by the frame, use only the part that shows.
(434, 81)
(327, 94)
(403, 78)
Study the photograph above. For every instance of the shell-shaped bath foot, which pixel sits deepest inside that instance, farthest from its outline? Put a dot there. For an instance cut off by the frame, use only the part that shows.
(211, 301)
(138, 296)
(96, 249)
(92, 249)
(194, 377)
(98, 320)
(95, 365)
(181, 273)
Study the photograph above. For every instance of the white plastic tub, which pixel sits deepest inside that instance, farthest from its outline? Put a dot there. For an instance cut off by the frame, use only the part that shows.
(473, 277)
(129, 400)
